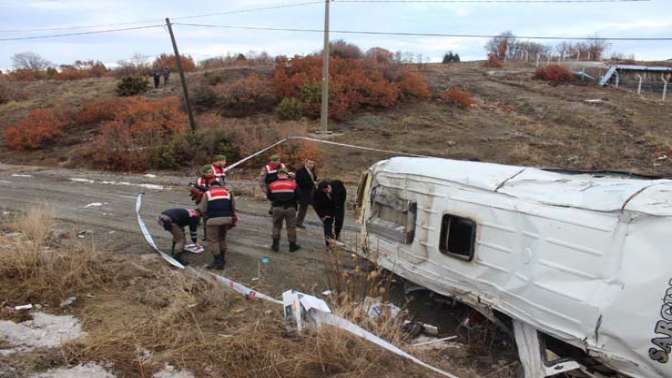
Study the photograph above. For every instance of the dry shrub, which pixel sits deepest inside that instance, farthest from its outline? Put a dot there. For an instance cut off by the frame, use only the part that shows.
(244, 97)
(97, 111)
(413, 85)
(36, 270)
(493, 62)
(129, 141)
(39, 128)
(554, 73)
(165, 60)
(355, 84)
(458, 97)
(10, 91)
(26, 74)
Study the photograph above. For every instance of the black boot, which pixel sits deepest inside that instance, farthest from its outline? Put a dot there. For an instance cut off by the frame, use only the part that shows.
(218, 263)
(276, 245)
(293, 247)
(180, 258)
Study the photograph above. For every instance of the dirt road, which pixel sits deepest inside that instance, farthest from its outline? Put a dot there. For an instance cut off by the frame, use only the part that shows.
(103, 206)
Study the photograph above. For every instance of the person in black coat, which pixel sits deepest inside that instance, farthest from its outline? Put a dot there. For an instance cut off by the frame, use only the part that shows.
(329, 204)
(306, 179)
(339, 194)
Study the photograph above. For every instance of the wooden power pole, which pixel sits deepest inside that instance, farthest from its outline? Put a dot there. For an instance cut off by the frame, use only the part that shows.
(324, 112)
(185, 91)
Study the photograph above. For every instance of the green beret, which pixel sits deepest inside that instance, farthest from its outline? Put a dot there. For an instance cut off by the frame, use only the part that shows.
(220, 157)
(205, 169)
(275, 157)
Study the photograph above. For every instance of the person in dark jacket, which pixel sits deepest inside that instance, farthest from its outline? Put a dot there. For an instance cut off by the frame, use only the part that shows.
(325, 207)
(339, 194)
(306, 179)
(284, 194)
(166, 75)
(219, 209)
(174, 221)
(156, 75)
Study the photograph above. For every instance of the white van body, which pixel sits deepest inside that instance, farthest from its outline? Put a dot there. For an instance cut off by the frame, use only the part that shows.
(581, 258)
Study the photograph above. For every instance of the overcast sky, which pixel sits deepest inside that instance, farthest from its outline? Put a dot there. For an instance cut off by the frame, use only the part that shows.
(622, 19)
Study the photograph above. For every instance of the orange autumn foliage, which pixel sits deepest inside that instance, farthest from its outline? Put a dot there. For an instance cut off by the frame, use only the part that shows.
(40, 127)
(459, 97)
(165, 60)
(128, 141)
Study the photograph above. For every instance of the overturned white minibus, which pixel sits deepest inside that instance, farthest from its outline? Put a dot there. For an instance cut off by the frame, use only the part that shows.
(576, 264)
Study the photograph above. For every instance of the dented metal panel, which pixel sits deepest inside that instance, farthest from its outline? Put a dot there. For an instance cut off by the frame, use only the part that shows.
(579, 257)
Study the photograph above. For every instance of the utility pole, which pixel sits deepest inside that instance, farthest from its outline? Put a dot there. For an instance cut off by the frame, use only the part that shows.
(324, 112)
(187, 104)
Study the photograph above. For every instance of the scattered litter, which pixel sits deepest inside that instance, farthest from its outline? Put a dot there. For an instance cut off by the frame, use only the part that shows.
(82, 234)
(194, 248)
(327, 292)
(77, 179)
(89, 370)
(20, 175)
(150, 175)
(67, 302)
(43, 331)
(93, 204)
(23, 307)
(112, 232)
(662, 157)
(375, 308)
(255, 278)
(594, 101)
(424, 342)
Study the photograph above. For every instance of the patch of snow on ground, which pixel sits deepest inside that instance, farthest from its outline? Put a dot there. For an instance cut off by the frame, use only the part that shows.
(44, 331)
(21, 175)
(93, 204)
(80, 371)
(150, 175)
(152, 186)
(77, 179)
(170, 372)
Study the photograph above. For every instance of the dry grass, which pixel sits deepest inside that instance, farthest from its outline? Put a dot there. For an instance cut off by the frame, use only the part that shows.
(139, 315)
(35, 269)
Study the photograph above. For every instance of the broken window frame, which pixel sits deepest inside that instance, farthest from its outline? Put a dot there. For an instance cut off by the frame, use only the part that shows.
(384, 197)
(444, 237)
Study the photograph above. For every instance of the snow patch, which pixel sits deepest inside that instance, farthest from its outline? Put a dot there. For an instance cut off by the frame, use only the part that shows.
(77, 179)
(80, 371)
(20, 175)
(44, 331)
(170, 372)
(93, 204)
(152, 186)
(150, 175)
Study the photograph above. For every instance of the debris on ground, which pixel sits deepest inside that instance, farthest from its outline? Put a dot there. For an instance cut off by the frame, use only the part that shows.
(67, 302)
(89, 370)
(434, 343)
(169, 371)
(43, 331)
(375, 308)
(93, 204)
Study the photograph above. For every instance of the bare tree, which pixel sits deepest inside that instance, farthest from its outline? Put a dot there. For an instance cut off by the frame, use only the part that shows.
(30, 61)
(499, 46)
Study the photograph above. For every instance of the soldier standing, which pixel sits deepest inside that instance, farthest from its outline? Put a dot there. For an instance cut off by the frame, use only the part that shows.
(218, 208)
(283, 194)
(166, 75)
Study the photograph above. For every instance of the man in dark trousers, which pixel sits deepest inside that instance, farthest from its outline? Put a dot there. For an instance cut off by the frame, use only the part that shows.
(156, 75)
(306, 179)
(283, 194)
(174, 221)
(339, 194)
(329, 204)
(166, 75)
(218, 208)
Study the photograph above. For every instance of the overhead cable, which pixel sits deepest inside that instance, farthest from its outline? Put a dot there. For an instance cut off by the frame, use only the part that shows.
(222, 13)
(409, 34)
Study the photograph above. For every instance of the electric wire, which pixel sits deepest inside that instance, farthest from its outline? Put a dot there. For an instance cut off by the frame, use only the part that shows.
(409, 34)
(222, 13)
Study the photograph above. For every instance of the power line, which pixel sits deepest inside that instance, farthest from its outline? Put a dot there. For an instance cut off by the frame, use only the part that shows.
(404, 34)
(80, 33)
(490, 1)
(236, 11)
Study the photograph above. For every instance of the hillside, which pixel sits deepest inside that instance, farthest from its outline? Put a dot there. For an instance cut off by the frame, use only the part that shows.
(515, 120)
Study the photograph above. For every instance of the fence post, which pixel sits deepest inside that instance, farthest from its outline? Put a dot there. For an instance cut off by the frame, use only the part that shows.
(639, 86)
(665, 82)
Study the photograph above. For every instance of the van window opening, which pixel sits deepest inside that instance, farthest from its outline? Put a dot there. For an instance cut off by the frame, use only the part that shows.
(458, 236)
(392, 217)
